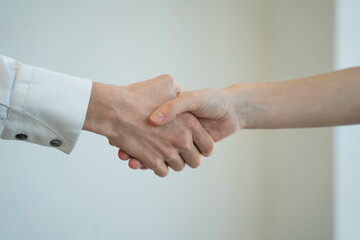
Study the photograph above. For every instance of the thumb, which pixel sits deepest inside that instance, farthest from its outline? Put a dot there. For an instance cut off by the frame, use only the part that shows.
(169, 110)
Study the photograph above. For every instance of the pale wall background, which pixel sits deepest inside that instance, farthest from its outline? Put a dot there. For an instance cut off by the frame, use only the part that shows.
(346, 139)
(91, 194)
(259, 185)
(298, 163)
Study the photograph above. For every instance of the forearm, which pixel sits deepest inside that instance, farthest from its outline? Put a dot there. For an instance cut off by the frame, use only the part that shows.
(324, 100)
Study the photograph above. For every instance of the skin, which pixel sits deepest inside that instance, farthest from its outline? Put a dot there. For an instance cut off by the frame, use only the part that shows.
(330, 99)
(121, 114)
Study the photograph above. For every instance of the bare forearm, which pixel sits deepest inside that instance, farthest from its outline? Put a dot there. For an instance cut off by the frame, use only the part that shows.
(324, 100)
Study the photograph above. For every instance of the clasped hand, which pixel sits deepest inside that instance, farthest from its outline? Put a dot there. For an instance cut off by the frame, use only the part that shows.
(121, 113)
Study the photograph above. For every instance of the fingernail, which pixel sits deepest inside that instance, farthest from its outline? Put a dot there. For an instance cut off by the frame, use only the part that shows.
(158, 117)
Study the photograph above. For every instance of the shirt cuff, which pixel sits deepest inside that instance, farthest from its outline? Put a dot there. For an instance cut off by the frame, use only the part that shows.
(47, 108)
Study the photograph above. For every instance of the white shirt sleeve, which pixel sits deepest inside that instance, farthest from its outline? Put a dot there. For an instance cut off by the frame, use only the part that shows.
(41, 106)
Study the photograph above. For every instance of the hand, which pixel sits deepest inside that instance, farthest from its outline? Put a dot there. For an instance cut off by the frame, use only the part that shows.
(121, 114)
(215, 108)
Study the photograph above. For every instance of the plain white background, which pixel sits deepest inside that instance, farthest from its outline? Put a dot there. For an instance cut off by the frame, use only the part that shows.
(258, 185)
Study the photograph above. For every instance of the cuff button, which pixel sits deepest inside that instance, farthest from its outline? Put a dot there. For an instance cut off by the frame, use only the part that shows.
(55, 143)
(21, 136)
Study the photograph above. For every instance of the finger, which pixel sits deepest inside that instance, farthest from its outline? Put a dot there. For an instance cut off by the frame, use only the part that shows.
(202, 140)
(191, 156)
(161, 170)
(177, 164)
(123, 155)
(169, 110)
(158, 165)
(135, 164)
(111, 143)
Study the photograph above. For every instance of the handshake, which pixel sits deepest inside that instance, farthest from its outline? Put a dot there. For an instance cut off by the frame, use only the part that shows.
(157, 125)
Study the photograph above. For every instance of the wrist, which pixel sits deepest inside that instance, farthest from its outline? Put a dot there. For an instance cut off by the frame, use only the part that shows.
(245, 105)
(101, 113)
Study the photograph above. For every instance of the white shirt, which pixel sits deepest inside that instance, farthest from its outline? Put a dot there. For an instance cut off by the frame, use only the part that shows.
(41, 106)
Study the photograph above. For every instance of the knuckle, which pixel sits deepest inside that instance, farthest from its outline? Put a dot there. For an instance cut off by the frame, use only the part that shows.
(195, 163)
(167, 78)
(157, 165)
(170, 153)
(179, 168)
(209, 149)
(182, 141)
(170, 82)
(174, 160)
(162, 173)
(176, 163)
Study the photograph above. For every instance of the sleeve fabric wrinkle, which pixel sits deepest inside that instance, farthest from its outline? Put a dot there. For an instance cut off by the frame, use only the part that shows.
(41, 106)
